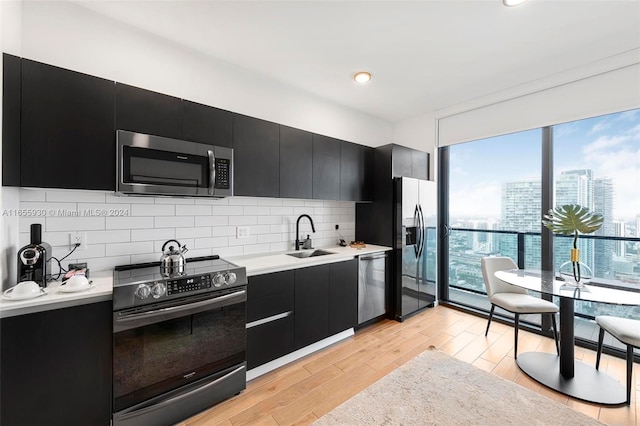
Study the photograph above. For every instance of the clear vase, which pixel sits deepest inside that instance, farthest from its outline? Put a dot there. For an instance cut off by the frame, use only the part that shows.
(566, 272)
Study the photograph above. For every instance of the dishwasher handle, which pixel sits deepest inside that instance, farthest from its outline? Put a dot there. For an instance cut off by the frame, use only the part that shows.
(373, 257)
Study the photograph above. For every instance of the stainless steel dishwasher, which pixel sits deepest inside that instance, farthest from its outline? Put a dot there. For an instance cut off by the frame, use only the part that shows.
(371, 286)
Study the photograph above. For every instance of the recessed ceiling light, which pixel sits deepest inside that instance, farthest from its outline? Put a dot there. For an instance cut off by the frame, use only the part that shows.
(362, 77)
(510, 3)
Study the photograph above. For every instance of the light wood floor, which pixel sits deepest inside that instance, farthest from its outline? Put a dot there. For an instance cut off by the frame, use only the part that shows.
(301, 392)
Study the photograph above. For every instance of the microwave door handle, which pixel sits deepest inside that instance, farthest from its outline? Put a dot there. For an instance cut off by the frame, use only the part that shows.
(212, 170)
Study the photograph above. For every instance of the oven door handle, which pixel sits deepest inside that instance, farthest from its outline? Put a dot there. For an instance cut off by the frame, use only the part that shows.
(129, 321)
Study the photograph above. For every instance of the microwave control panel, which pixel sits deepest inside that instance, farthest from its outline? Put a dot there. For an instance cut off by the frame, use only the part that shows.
(223, 173)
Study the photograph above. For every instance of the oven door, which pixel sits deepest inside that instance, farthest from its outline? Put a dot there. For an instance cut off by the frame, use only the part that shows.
(150, 164)
(178, 357)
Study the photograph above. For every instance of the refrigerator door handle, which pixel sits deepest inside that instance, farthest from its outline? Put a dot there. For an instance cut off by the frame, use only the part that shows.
(416, 223)
(421, 232)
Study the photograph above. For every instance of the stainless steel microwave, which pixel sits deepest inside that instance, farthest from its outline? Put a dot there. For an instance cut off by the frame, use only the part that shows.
(155, 165)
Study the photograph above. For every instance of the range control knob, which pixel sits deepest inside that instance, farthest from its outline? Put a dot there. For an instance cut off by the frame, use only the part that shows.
(143, 291)
(230, 277)
(158, 290)
(218, 280)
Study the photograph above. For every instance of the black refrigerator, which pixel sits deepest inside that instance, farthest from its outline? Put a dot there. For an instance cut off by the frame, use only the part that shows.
(414, 223)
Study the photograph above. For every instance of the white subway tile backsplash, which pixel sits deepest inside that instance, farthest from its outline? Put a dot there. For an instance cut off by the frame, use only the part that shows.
(211, 242)
(129, 222)
(153, 210)
(75, 196)
(243, 220)
(206, 226)
(120, 249)
(199, 232)
(211, 220)
(227, 210)
(242, 201)
(174, 222)
(74, 223)
(189, 242)
(193, 210)
(111, 236)
(128, 199)
(153, 234)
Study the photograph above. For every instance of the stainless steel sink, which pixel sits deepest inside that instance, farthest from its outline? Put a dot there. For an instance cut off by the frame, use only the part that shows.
(312, 253)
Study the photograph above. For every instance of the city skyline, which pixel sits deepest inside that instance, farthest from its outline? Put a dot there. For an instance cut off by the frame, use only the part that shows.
(608, 145)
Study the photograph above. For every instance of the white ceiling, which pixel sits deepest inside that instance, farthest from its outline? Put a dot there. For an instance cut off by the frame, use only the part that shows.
(424, 55)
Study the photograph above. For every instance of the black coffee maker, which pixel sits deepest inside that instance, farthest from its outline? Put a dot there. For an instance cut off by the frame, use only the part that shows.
(33, 259)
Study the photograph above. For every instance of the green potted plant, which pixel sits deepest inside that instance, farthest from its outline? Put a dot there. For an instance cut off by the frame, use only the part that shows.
(573, 219)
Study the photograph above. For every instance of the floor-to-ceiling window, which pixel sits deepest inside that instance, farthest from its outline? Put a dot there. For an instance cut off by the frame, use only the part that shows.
(495, 192)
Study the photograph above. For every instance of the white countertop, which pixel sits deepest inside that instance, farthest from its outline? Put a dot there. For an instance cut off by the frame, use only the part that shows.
(261, 263)
(55, 299)
(275, 262)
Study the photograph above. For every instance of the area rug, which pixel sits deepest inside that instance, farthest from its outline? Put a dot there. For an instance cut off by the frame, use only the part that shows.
(437, 389)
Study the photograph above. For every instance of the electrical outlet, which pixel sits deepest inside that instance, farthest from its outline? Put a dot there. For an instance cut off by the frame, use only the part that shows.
(337, 226)
(78, 238)
(242, 232)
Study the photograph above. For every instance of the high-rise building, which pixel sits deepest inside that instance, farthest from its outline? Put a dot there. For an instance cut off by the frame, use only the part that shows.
(603, 196)
(521, 211)
(619, 231)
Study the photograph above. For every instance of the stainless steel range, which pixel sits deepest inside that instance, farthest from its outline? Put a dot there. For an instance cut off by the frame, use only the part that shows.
(179, 342)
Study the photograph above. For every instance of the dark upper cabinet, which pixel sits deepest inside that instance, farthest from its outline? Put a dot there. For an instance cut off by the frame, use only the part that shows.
(205, 124)
(10, 120)
(296, 163)
(343, 296)
(356, 172)
(326, 168)
(67, 129)
(144, 111)
(409, 162)
(76, 388)
(256, 155)
(311, 305)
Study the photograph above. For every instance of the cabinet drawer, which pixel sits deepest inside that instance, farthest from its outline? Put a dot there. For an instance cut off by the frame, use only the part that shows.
(269, 295)
(269, 341)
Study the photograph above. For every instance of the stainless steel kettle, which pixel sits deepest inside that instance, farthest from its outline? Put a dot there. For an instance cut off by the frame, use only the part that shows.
(172, 261)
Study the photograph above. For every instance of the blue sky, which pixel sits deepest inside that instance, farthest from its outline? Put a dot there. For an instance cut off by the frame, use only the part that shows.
(609, 145)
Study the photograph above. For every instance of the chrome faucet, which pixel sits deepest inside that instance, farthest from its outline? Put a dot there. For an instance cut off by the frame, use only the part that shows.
(313, 228)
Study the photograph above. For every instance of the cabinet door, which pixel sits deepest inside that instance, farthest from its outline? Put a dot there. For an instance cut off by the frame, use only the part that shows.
(144, 111)
(343, 296)
(67, 131)
(205, 124)
(419, 164)
(256, 154)
(326, 168)
(10, 120)
(401, 161)
(269, 341)
(269, 294)
(311, 305)
(56, 367)
(296, 164)
(356, 165)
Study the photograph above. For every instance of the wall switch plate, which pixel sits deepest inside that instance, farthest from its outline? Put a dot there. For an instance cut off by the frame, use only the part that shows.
(242, 232)
(78, 238)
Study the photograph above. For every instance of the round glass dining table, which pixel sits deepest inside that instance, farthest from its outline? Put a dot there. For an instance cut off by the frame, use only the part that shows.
(563, 373)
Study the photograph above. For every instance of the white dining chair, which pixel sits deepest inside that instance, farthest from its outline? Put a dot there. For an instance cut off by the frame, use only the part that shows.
(513, 299)
(627, 331)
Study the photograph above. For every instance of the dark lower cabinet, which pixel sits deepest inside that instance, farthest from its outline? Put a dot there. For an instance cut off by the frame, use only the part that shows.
(270, 321)
(10, 120)
(343, 296)
(269, 341)
(55, 367)
(256, 153)
(67, 129)
(144, 111)
(311, 305)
